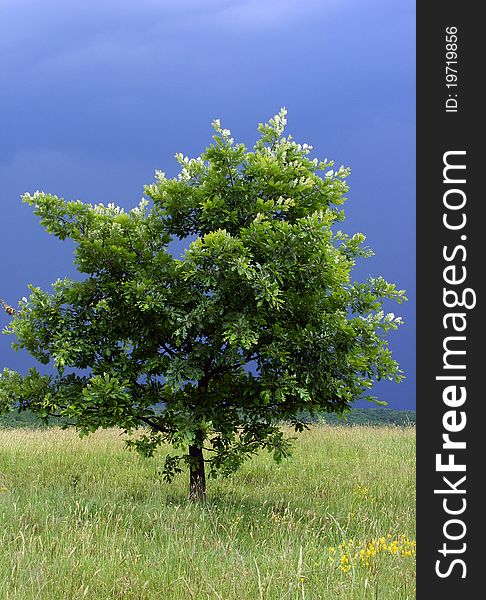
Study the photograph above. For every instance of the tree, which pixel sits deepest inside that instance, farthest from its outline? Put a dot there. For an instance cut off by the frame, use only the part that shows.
(257, 322)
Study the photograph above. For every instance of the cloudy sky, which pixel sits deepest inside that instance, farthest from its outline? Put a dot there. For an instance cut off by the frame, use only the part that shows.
(95, 96)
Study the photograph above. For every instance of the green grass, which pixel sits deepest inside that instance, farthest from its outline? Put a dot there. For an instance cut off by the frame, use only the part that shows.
(84, 518)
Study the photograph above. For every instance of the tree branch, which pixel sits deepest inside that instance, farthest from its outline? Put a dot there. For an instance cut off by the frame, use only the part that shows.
(169, 351)
(154, 425)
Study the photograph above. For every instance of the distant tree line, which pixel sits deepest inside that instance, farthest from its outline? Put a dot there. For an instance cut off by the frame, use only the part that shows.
(365, 416)
(357, 416)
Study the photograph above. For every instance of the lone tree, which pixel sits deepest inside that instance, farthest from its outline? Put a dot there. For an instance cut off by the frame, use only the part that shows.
(258, 322)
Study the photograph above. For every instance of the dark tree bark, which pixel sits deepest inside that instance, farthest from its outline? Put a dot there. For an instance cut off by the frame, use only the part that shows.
(197, 474)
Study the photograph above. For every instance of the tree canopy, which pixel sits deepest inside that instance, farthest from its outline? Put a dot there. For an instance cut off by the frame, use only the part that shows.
(257, 322)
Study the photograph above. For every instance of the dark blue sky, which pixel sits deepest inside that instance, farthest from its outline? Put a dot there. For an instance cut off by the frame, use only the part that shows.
(95, 96)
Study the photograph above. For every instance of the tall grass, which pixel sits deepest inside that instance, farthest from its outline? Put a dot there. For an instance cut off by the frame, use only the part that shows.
(84, 518)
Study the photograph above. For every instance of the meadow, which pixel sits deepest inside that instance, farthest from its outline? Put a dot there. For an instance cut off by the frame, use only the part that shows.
(86, 519)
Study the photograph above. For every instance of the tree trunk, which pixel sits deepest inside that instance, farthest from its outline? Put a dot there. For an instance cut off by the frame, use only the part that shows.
(197, 474)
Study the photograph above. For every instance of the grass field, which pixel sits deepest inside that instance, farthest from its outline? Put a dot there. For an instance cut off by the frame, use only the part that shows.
(84, 518)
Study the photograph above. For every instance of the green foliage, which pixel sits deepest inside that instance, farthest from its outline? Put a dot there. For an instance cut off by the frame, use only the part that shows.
(257, 322)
